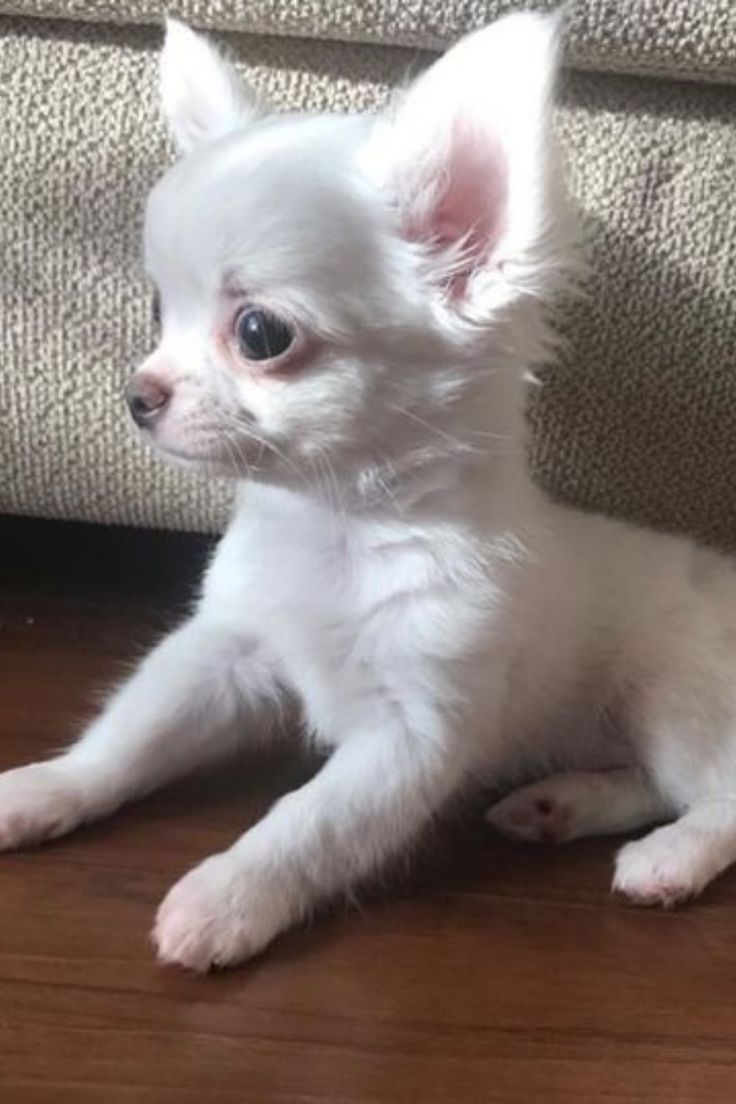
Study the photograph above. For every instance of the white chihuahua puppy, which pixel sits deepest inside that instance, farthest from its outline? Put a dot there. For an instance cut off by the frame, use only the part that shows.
(349, 309)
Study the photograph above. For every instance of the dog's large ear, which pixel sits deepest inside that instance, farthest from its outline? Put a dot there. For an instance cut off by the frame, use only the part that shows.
(201, 94)
(464, 158)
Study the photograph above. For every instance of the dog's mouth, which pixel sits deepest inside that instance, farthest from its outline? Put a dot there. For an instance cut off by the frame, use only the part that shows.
(182, 454)
(183, 458)
(216, 457)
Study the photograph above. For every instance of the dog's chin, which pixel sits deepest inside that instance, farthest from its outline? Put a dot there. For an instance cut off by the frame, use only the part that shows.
(205, 461)
(220, 457)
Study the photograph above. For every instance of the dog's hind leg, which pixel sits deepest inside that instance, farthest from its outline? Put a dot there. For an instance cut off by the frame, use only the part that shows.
(579, 803)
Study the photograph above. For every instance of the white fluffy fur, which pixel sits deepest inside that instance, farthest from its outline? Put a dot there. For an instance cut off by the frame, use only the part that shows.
(390, 567)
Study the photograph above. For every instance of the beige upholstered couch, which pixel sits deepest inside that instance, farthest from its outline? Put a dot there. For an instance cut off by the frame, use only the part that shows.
(640, 418)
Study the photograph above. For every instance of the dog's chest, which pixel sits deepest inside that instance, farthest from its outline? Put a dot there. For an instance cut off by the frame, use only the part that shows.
(295, 574)
(342, 604)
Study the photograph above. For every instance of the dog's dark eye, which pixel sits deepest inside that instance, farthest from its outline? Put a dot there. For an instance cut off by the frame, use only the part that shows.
(156, 309)
(261, 335)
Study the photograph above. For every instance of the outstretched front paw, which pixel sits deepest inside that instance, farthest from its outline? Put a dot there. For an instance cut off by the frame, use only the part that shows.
(665, 868)
(219, 914)
(37, 802)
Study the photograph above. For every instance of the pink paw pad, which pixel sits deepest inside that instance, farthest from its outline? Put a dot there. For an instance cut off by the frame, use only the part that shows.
(552, 819)
(536, 819)
(665, 894)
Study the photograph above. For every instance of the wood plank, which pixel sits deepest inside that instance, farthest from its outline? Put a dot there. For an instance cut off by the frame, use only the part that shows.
(484, 972)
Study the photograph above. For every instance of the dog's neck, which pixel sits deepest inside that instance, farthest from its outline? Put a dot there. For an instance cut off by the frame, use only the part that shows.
(469, 480)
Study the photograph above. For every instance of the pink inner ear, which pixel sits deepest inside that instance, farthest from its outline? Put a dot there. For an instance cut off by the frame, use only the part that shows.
(471, 200)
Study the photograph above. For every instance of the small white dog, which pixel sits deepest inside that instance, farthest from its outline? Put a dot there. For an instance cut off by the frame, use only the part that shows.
(349, 308)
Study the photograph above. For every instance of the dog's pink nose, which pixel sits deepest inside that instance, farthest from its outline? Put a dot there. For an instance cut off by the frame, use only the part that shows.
(147, 398)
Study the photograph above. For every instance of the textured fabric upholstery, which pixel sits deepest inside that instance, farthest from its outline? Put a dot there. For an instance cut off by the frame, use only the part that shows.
(695, 38)
(638, 419)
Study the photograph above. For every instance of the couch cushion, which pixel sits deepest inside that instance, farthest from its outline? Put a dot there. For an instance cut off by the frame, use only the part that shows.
(639, 419)
(685, 38)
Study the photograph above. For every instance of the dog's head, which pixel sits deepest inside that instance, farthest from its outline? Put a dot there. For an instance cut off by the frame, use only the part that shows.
(350, 289)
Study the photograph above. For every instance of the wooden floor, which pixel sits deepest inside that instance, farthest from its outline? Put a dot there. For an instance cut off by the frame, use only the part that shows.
(492, 973)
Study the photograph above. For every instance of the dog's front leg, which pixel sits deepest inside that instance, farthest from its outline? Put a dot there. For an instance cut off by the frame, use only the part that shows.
(196, 693)
(379, 789)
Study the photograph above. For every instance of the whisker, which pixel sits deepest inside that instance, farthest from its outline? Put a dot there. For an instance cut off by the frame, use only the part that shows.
(449, 437)
(238, 424)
